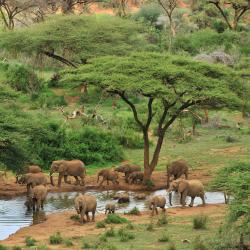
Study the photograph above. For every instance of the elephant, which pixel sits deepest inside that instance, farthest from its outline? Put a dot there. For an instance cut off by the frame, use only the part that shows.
(30, 169)
(192, 188)
(140, 196)
(108, 175)
(85, 204)
(136, 177)
(33, 179)
(36, 198)
(65, 168)
(110, 208)
(127, 169)
(177, 169)
(3, 175)
(123, 198)
(157, 201)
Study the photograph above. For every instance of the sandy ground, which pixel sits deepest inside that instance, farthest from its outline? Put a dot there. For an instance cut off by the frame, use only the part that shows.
(69, 228)
(9, 189)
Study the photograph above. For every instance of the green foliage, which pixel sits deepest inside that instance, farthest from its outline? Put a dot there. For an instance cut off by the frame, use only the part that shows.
(56, 239)
(209, 40)
(16, 248)
(22, 78)
(115, 219)
(29, 241)
(110, 232)
(68, 242)
(93, 145)
(199, 244)
(148, 13)
(149, 184)
(134, 211)
(125, 235)
(150, 226)
(164, 238)
(200, 221)
(75, 217)
(162, 220)
(83, 37)
(100, 224)
(3, 247)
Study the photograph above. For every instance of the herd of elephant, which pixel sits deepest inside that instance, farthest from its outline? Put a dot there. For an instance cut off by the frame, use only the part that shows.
(36, 182)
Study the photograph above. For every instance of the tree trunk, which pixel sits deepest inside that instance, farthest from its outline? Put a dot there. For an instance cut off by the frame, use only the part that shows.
(206, 116)
(146, 156)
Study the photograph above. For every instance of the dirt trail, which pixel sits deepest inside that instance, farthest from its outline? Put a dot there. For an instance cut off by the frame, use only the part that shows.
(9, 188)
(67, 227)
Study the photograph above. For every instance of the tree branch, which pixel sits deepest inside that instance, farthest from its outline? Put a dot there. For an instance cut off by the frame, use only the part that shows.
(59, 58)
(132, 106)
(150, 112)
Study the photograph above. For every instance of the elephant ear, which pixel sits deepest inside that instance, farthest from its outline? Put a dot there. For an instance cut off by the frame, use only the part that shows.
(62, 167)
(183, 184)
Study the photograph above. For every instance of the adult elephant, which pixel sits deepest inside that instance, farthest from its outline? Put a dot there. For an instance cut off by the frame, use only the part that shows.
(177, 169)
(108, 175)
(65, 168)
(33, 169)
(192, 188)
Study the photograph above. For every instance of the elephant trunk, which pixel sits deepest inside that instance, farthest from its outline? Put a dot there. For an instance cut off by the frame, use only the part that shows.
(170, 198)
(51, 178)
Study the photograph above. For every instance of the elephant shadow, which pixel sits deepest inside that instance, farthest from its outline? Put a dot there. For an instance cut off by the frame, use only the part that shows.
(39, 217)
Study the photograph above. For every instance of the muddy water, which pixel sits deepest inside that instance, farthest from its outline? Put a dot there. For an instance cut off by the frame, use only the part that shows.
(13, 214)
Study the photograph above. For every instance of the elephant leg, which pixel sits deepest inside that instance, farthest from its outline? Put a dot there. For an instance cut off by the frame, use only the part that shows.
(60, 180)
(163, 210)
(87, 215)
(192, 202)
(82, 180)
(126, 177)
(107, 181)
(156, 210)
(93, 215)
(38, 205)
(186, 175)
(183, 198)
(77, 181)
(65, 179)
(101, 182)
(203, 199)
(42, 202)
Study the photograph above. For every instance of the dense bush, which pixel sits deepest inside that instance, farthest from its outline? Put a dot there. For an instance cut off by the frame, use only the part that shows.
(209, 40)
(22, 78)
(115, 219)
(56, 239)
(200, 221)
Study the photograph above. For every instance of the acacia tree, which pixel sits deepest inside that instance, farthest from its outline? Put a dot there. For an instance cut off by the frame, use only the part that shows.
(166, 85)
(237, 8)
(10, 9)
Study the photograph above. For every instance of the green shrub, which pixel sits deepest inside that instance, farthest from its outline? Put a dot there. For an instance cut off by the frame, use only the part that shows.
(3, 247)
(149, 184)
(100, 224)
(115, 219)
(86, 245)
(16, 248)
(150, 226)
(29, 241)
(75, 217)
(56, 239)
(125, 235)
(162, 220)
(68, 242)
(164, 238)
(103, 238)
(110, 232)
(134, 211)
(199, 244)
(200, 221)
(22, 78)
(130, 226)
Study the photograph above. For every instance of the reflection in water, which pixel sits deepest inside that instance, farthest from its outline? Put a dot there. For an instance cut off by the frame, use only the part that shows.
(13, 213)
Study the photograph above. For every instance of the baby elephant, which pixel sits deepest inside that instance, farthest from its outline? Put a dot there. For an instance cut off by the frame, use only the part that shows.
(108, 175)
(177, 169)
(136, 177)
(110, 208)
(157, 201)
(85, 204)
(36, 198)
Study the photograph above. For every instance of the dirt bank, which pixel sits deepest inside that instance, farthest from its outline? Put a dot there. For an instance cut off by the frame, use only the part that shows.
(61, 222)
(9, 189)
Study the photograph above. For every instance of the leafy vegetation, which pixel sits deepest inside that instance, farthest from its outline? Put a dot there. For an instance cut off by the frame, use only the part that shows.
(56, 239)
(115, 219)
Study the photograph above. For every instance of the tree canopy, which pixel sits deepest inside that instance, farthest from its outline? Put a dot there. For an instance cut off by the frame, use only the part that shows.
(167, 84)
(77, 38)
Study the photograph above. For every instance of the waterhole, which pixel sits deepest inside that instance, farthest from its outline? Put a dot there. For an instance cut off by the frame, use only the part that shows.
(13, 213)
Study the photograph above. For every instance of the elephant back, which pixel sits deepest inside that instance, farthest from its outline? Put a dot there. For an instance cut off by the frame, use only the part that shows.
(75, 167)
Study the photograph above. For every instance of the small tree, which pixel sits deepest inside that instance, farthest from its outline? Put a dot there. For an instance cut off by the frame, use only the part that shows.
(237, 9)
(166, 85)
